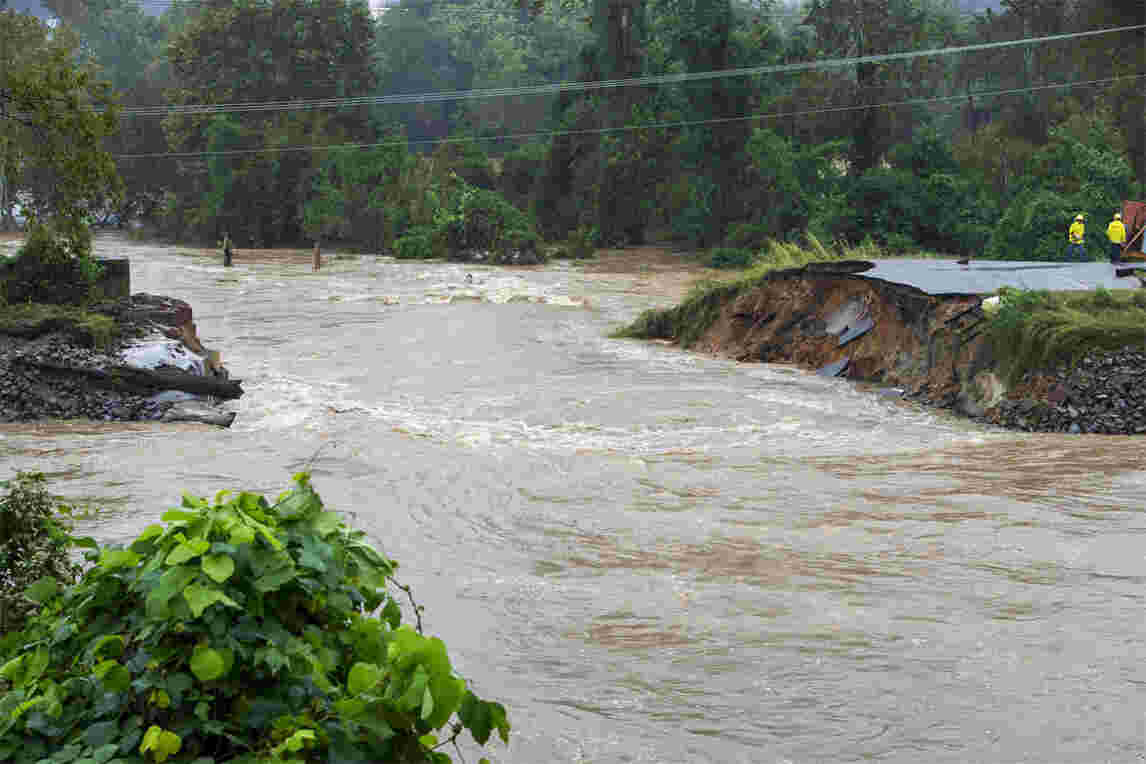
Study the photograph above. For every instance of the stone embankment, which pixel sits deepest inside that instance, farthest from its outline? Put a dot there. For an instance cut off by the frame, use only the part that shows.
(1103, 393)
(932, 347)
(157, 369)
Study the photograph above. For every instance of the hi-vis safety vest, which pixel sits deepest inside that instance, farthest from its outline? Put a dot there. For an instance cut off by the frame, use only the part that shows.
(1077, 230)
(1116, 232)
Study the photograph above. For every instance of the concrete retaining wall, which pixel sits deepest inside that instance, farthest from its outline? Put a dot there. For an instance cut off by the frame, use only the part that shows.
(116, 280)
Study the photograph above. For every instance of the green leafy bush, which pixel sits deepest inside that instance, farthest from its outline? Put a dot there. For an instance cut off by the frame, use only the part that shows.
(1066, 176)
(418, 244)
(1033, 227)
(35, 543)
(48, 270)
(484, 225)
(731, 257)
(242, 632)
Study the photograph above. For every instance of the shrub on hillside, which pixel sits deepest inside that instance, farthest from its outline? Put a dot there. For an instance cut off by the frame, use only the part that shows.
(243, 632)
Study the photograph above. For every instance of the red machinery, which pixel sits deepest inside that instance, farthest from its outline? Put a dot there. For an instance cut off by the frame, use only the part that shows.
(1134, 218)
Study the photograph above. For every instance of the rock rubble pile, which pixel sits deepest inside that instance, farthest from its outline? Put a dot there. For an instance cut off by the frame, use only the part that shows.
(28, 393)
(44, 368)
(1103, 393)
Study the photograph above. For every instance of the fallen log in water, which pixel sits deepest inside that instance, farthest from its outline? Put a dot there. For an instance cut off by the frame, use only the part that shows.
(143, 381)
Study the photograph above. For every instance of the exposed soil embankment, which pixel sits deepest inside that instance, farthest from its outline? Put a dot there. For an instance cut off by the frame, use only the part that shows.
(869, 329)
(936, 348)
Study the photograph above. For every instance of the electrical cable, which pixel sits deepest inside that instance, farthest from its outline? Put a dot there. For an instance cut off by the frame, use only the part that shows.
(573, 87)
(604, 130)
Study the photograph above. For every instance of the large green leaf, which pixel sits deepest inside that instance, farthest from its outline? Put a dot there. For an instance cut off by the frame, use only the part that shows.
(187, 550)
(161, 743)
(199, 598)
(109, 645)
(298, 503)
(179, 516)
(274, 579)
(207, 664)
(172, 582)
(363, 677)
(43, 589)
(325, 523)
(111, 558)
(114, 676)
(219, 567)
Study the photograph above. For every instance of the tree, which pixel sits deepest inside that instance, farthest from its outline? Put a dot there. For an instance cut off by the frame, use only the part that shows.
(125, 46)
(54, 116)
(701, 37)
(862, 28)
(255, 51)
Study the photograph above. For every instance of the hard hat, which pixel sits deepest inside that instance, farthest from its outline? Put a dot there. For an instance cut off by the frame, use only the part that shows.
(1078, 216)
(1117, 215)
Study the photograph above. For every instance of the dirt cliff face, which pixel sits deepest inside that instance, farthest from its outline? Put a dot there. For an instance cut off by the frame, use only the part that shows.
(927, 344)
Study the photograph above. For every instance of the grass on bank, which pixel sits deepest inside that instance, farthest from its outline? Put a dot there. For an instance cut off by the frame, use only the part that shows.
(24, 318)
(1035, 330)
(689, 320)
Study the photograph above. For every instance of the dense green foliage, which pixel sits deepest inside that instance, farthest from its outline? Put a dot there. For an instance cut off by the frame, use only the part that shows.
(239, 631)
(987, 154)
(54, 116)
(47, 271)
(35, 545)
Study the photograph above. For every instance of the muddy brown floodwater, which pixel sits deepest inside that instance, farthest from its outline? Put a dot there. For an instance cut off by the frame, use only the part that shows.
(649, 555)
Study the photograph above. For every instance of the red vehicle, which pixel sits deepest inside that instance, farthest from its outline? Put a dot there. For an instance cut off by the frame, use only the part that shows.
(1134, 218)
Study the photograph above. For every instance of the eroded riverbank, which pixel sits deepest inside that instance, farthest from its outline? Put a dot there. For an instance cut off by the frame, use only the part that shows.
(934, 348)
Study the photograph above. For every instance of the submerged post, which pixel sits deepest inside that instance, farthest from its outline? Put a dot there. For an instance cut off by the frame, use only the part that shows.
(317, 256)
(226, 250)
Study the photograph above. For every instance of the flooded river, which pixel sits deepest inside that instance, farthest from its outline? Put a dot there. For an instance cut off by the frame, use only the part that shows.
(651, 556)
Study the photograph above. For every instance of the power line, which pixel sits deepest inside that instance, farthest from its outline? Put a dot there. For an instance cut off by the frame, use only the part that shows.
(650, 126)
(438, 7)
(571, 87)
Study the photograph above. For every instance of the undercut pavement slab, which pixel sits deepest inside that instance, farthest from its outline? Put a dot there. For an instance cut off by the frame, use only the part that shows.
(986, 276)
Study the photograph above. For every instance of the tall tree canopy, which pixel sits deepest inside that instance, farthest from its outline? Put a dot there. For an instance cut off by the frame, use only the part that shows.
(54, 116)
(251, 51)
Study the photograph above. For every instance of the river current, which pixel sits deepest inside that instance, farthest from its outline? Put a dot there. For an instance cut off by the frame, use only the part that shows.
(649, 555)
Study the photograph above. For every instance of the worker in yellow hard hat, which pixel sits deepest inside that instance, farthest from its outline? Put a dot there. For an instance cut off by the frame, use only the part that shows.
(1116, 232)
(1075, 236)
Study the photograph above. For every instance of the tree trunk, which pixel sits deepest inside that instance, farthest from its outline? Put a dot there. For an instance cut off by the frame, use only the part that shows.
(144, 381)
